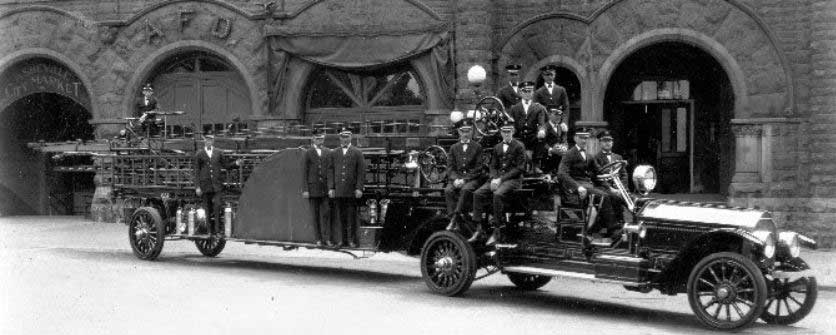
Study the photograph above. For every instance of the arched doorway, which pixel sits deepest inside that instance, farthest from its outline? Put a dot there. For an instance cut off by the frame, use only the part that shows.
(206, 87)
(670, 104)
(390, 100)
(29, 184)
(41, 99)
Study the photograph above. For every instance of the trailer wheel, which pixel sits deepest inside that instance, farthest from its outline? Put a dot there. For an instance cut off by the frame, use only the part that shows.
(146, 233)
(210, 247)
(528, 282)
(727, 291)
(790, 301)
(448, 263)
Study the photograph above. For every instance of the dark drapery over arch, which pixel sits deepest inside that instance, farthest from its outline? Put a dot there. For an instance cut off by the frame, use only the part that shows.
(359, 35)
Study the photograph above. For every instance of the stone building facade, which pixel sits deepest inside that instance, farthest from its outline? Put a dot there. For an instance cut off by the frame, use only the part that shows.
(757, 125)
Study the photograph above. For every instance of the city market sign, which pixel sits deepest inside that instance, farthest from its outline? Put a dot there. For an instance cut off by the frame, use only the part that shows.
(41, 76)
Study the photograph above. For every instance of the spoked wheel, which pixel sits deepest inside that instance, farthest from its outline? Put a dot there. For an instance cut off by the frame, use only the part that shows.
(790, 301)
(210, 247)
(491, 115)
(433, 163)
(146, 233)
(448, 263)
(528, 282)
(727, 291)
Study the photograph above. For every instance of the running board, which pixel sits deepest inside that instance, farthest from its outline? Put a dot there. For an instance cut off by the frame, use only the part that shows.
(558, 273)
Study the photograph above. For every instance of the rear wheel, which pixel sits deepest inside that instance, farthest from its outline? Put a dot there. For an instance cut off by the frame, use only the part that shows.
(529, 282)
(727, 291)
(448, 263)
(210, 247)
(790, 301)
(146, 233)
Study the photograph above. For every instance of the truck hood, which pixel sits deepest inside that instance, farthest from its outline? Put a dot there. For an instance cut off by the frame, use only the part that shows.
(678, 211)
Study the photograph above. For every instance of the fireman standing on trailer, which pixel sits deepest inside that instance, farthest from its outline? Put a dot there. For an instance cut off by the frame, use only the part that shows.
(317, 164)
(345, 186)
(208, 163)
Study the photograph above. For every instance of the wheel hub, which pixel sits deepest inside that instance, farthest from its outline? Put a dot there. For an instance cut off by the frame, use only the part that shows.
(725, 293)
(444, 264)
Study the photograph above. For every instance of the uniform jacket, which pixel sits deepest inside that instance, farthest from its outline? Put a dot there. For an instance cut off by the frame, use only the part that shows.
(556, 99)
(528, 124)
(142, 107)
(554, 135)
(508, 96)
(601, 160)
(574, 169)
(207, 170)
(348, 172)
(462, 164)
(316, 172)
(510, 164)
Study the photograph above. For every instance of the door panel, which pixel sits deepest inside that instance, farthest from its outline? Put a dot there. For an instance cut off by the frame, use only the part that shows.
(207, 98)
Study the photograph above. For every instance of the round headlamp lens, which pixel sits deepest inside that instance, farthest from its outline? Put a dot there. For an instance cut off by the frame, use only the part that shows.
(791, 242)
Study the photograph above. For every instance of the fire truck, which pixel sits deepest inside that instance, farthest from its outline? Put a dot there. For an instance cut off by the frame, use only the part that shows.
(733, 263)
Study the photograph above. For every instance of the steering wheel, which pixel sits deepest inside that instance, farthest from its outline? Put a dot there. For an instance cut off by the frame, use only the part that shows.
(433, 164)
(612, 168)
(491, 115)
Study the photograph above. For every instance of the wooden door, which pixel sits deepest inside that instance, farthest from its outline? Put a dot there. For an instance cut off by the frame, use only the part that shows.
(210, 100)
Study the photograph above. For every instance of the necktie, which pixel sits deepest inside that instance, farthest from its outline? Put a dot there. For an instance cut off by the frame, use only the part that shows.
(583, 154)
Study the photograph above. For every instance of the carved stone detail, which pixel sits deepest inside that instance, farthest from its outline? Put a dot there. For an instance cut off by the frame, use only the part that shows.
(747, 130)
(222, 27)
(154, 33)
(186, 17)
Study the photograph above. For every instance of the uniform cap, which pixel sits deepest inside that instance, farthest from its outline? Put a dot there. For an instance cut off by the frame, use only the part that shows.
(507, 127)
(556, 111)
(147, 87)
(549, 68)
(513, 68)
(582, 131)
(345, 132)
(605, 135)
(209, 136)
(527, 84)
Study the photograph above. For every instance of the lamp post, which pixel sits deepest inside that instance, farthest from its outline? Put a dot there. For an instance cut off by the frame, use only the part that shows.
(476, 77)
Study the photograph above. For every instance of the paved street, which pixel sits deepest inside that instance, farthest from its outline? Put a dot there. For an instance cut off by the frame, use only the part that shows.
(66, 275)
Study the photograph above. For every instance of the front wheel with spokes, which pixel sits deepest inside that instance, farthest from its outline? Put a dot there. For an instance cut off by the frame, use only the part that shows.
(790, 300)
(146, 233)
(448, 263)
(727, 291)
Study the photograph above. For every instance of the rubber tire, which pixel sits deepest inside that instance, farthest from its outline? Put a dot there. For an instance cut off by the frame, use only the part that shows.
(528, 282)
(157, 222)
(760, 291)
(210, 252)
(809, 301)
(467, 266)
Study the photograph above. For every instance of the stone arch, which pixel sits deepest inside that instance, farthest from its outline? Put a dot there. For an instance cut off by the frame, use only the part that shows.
(11, 59)
(707, 44)
(144, 69)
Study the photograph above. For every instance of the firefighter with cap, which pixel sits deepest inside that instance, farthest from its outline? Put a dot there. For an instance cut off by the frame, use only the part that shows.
(603, 158)
(530, 122)
(506, 169)
(317, 163)
(345, 185)
(146, 110)
(208, 164)
(555, 143)
(510, 94)
(464, 174)
(552, 95)
(576, 172)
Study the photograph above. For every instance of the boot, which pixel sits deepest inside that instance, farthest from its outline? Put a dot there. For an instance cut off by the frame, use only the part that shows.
(454, 223)
(494, 237)
(478, 235)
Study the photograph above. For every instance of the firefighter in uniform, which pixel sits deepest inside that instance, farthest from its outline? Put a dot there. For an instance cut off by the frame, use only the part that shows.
(530, 121)
(552, 95)
(506, 169)
(464, 172)
(510, 94)
(146, 111)
(604, 157)
(316, 164)
(208, 163)
(345, 186)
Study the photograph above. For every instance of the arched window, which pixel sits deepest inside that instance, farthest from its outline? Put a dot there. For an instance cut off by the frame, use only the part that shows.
(384, 101)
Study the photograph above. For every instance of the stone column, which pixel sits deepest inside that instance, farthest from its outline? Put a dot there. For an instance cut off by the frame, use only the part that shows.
(748, 156)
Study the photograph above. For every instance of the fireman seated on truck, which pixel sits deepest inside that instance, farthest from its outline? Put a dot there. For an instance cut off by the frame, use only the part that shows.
(464, 174)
